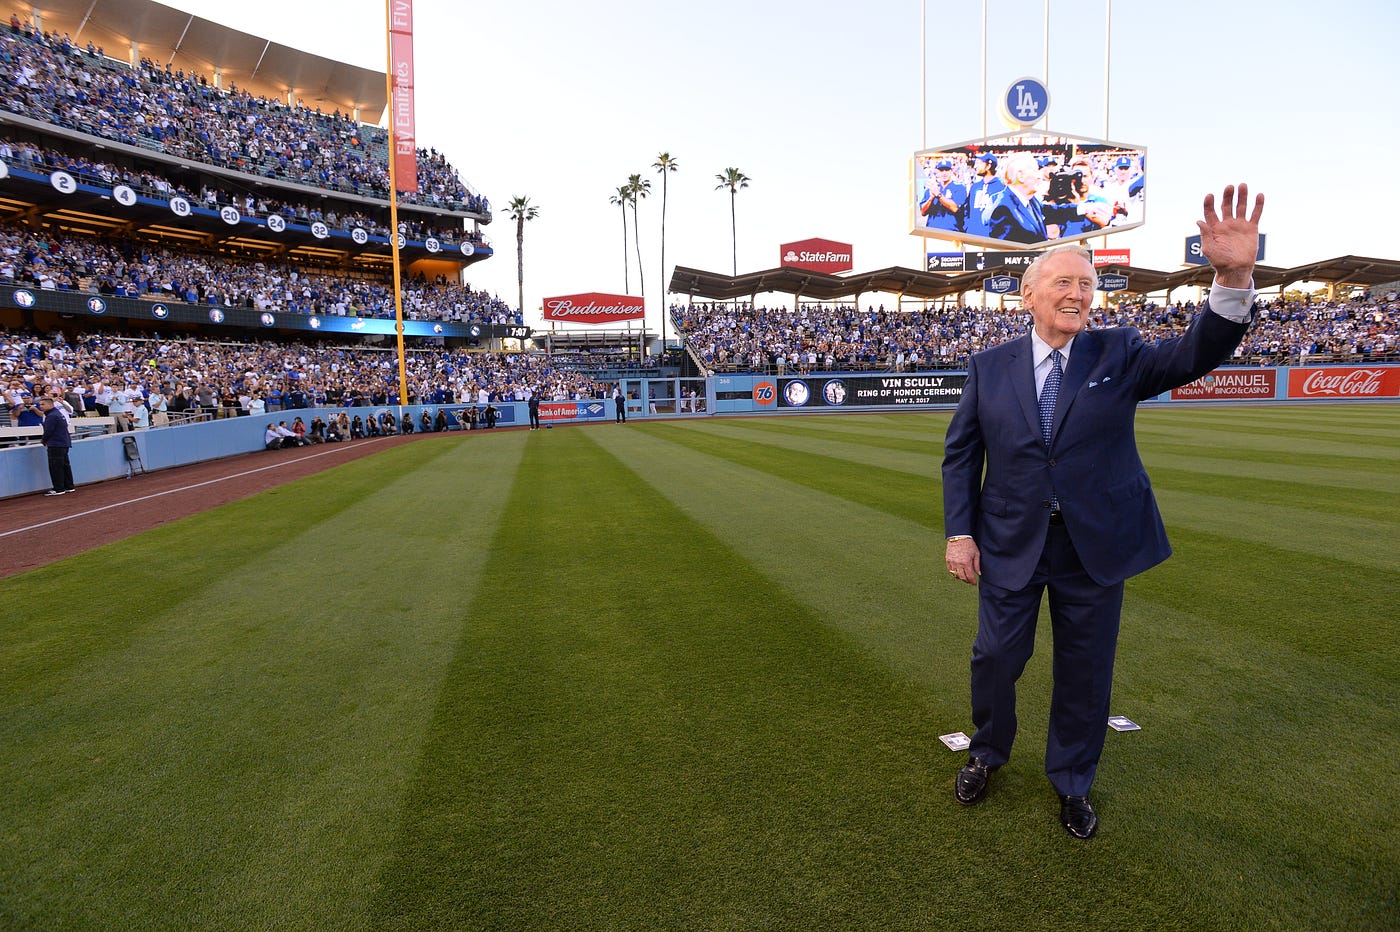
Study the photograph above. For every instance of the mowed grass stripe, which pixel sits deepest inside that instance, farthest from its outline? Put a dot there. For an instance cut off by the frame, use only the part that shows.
(1328, 603)
(1364, 506)
(914, 456)
(1380, 482)
(904, 490)
(870, 569)
(236, 758)
(1241, 743)
(1357, 448)
(149, 578)
(641, 731)
(1262, 509)
(1380, 423)
(1219, 448)
(848, 429)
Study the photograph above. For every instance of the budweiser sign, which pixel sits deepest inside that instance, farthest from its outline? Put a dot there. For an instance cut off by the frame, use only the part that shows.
(594, 308)
(1344, 382)
(816, 255)
(1230, 384)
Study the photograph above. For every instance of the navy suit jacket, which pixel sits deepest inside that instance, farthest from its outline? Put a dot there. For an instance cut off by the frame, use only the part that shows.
(1015, 220)
(1098, 478)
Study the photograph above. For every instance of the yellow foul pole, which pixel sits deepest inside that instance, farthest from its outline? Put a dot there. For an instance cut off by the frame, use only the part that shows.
(394, 204)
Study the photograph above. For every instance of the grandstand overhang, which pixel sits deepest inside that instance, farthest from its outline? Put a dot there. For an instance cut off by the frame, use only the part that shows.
(912, 283)
(186, 42)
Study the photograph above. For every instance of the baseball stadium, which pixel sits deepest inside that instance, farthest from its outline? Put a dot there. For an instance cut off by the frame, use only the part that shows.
(380, 597)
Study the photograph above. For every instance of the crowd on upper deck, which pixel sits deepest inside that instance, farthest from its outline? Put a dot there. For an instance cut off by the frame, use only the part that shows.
(818, 337)
(125, 267)
(47, 77)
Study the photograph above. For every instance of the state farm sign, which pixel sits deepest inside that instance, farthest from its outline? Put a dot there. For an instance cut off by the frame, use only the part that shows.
(1229, 384)
(816, 255)
(1344, 382)
(594, 308)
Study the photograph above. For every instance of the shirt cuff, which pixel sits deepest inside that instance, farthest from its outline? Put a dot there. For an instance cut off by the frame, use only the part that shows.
(1232, 303)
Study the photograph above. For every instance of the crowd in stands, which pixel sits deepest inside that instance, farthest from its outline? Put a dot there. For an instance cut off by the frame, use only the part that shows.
(123, 267)
(815, 337)
(155, 379)
(46, 160)
(46, 77)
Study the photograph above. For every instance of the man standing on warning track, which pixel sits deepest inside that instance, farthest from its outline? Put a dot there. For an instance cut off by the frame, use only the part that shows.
(57, 441)
(619, 404)
(1043, 489)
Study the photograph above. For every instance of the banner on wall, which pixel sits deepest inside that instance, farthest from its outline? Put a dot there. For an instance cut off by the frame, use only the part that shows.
(594, 308)
(1344, 382)
(571, 410)
(816, 255)
(858, 391)
(1229, 385)
(401, 104)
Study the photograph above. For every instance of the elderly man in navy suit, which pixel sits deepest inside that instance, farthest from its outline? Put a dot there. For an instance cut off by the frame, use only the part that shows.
(1016, 214)
(1043, 489)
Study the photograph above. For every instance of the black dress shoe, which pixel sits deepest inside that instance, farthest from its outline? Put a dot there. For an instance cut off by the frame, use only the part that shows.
(971, 784)
(1077, 816)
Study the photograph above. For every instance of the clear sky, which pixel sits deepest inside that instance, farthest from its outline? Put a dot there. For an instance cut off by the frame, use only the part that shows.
(818, 102)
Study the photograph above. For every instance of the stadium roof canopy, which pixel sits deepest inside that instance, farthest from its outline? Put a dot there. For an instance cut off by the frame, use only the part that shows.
(1348, 270)
(189, 43)
(912, 283)
(820, 286)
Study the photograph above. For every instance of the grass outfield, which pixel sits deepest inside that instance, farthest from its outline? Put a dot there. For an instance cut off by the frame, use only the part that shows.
(691, 674)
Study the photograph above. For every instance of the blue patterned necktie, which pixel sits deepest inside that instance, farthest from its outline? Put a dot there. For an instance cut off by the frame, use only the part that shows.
(1049, 394)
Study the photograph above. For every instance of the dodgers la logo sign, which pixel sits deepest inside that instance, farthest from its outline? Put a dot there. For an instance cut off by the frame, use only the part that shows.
(1025, 102)
(1001, 284)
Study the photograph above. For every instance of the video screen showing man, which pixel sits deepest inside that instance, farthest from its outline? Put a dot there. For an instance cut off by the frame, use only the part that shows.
(981, 195)
(1017, 215)
(1073, 206)
(1123, 186)
(1028, 189)
(942, 202)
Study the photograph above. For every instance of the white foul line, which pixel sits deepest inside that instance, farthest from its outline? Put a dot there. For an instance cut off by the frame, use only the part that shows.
(184, 488)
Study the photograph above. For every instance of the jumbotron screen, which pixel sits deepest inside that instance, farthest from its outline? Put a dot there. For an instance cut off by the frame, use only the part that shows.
(1028, 189)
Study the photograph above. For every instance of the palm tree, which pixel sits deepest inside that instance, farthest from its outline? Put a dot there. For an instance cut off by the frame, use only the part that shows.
(520, 209)
(665, 164)
(637, 189)
(620, 198)
(733, 179)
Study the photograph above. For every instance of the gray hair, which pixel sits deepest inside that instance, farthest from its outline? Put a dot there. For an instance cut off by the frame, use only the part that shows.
(1032, 275)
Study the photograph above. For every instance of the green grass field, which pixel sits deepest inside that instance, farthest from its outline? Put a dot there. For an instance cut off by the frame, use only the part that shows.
(691, 674)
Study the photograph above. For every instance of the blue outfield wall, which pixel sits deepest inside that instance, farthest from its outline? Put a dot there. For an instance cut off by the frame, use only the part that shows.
(25, 469)
(890, 391)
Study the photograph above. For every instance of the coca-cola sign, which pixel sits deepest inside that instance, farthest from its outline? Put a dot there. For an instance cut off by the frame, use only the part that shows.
(816, 255)
(594, 308)
(1344, 382)
(1230, 384)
